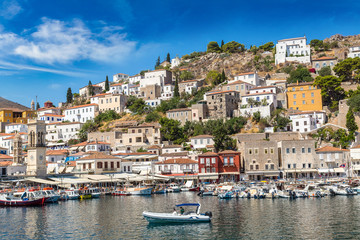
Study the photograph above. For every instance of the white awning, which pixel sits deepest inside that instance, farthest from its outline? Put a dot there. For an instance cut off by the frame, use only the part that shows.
(40, 180)
(69, 169)
(339, 170)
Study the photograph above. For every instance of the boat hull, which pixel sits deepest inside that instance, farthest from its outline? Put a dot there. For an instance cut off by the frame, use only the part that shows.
(22, 203)
(143, 191)
(175, 218)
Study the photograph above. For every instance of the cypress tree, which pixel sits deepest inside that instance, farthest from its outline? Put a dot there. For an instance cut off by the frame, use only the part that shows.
(69, 96)
(222, 43)
(223, 76)
(37, 105)
(168, 58)
(107, 86)
(157, 62)
(350, 121)
(90, 89)
(176, 88)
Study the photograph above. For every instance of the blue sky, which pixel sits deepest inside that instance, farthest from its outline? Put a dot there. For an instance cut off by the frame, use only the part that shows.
(48, 46)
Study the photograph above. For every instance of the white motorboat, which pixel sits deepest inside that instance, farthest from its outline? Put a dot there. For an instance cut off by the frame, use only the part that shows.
(140, 190)
(175, 217)
(174, 188)
(72, 194)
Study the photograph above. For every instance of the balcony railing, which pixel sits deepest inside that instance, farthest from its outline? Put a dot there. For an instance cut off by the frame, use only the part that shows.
(166, 172)
(229, 165)
(109, 169)
(188, 171)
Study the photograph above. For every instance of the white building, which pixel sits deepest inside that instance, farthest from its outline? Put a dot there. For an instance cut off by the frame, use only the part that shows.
(120, 88)
(92, 146)
(261, 97)
(159, 77)
(84, 90)
(56, 156)
(52, 110)
(202, 141)
(176, 166)
(168, 92)
(62, 131)
(249, 77)
(175, 62)
(136, 78)
(354, 52)
(50, 118)
(120, 77)
(171, 148)
(292, 50)
(81, 113)
(153, 103)
(16, 127)
(307, 121)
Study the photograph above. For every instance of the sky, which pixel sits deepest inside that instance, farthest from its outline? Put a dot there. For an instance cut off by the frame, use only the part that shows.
(48, 46)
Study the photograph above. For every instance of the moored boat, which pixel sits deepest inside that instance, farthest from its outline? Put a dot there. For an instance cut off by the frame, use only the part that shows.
(22, 199)
(182, 217)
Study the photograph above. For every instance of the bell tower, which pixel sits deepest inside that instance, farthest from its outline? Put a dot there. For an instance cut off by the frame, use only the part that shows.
(18, 159)
(36, 162)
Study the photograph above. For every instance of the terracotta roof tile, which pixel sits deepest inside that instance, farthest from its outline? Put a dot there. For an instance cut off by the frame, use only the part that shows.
(4, 156)
(5, 163)
(85, 105)
(97, 155)
(178, 161)
(202, 136)
(207, 154)
(331, 149)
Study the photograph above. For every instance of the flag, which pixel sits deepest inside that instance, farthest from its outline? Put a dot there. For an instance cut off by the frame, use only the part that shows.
(343, 165)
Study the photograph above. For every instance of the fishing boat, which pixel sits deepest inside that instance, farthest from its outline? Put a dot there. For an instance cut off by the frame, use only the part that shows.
(173, 187)
(95, 193)
(121, 193)
(22, 199)
(84, 193)
(72, 194)
(50, 195)
(140, 190)
(175, 217)
(159, 189)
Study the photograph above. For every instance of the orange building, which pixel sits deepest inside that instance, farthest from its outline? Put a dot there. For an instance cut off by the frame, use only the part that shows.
(304, 97)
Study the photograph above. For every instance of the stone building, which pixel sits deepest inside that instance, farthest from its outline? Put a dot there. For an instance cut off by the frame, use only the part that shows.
(222, 104)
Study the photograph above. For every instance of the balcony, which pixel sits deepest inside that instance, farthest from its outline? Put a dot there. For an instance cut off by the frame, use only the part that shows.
(229, 165)
(188, 171)
(165, 172)
(109, 169)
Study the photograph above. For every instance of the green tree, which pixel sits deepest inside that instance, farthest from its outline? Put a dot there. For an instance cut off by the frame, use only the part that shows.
(168, 58)
(223, 76)
(152, 117)
(107, 85)
(186, 75)
(317, 44)
(136, 105)
(254, 49)
(213, 47)
(256, 116)
(176, 87)
(90, 89)
(141, 150)
(37, 105)
(325, 71)
(300, 74)
(354, 103)
(267, 46)
(157, 64)
(106, 116)
(171, 130)
(69, 96)
(345, 69)
(213, 77)
(233, 47)
(89, 126)
(222, 44)
(350, 121)
(331, 90)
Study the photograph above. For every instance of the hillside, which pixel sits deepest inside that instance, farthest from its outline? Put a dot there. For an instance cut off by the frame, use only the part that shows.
(4, 103)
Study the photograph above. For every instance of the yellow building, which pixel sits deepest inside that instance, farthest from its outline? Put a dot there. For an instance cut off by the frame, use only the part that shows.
(15, 115)
(304, 97)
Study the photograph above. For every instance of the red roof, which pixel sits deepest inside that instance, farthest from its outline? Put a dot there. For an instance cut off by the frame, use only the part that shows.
(324, 58)
(5, 163)
(261, 93)
(4, 156)
(247, 73)
(331, 149)
(220, 92)
(207, 154)
(52, 115)
(178, 161)
(57, 152)
(89, 143)
(228, 152)
(97, 155)
(134, 154)
(202, 136)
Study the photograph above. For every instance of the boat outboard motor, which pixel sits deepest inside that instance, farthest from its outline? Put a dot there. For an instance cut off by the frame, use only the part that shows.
(208, 214)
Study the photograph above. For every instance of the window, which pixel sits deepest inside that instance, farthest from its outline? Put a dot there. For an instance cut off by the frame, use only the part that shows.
(309, 150)
(117, 164)
(337, 156)
(256, 151)
(309, 165)
(201, 160)
(287, 150)
(303, 95)
(297, 124)
(293, 150)
(294, 165)
(289, 166)
(312, 94)
(294, 102)
(225, 161)
(265, 151)
(303, 150)
(304, 165)
(305, 123)
(312, 101)
(213, 160)
(250, 151)
(231, 160)
(272, 150)
(266, 166)
(294, 96)
(303, 102)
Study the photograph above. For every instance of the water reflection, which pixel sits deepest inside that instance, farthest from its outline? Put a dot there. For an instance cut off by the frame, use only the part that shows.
(120, 217)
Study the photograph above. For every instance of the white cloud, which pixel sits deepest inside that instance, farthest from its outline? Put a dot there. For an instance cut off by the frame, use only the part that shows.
(9, 9)
(56, 41)
(55, 86)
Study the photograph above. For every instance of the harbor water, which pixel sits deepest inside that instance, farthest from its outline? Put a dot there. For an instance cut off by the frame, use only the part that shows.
(119, 217)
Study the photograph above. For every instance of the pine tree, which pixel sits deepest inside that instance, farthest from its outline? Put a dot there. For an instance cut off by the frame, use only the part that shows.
(157, 62)
(107, 86)
(69, 96)
(37, 105)
(223, 76)
(350, 121)
(90, 89)
(168, 58)
(222, 43)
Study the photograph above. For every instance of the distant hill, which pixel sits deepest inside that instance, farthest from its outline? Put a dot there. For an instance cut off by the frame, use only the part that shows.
(4, 103)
